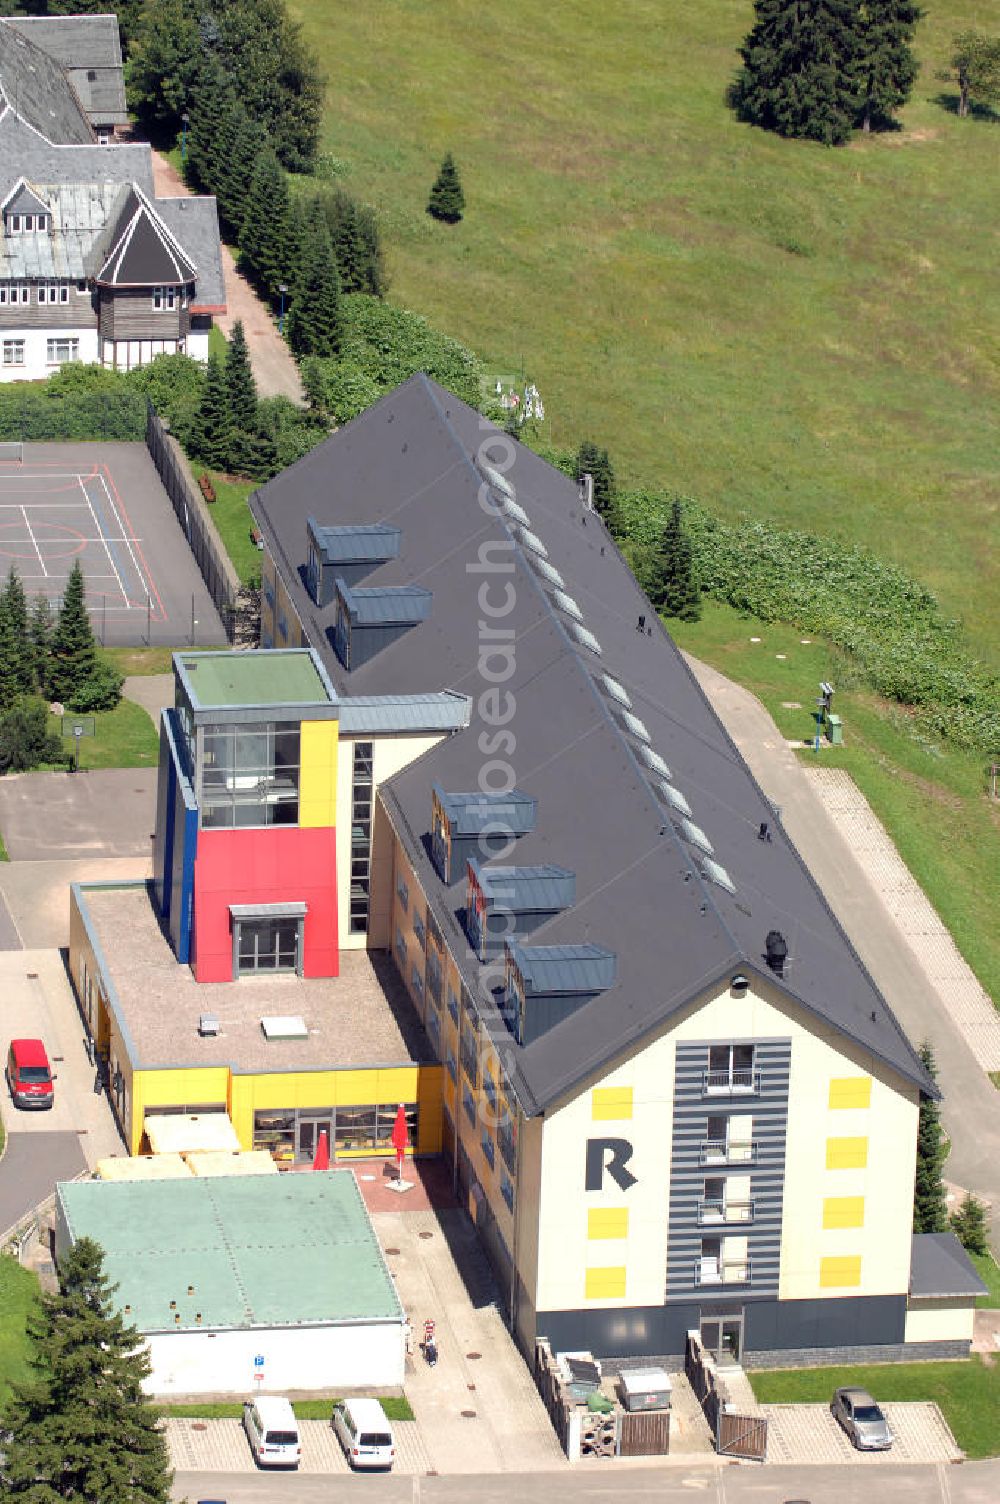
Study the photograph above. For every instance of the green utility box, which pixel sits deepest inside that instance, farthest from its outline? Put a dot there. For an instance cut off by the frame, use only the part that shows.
(835, 730)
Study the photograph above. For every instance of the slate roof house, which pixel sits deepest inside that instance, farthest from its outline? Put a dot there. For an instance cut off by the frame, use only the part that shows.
(93, 267)
(674, 1098)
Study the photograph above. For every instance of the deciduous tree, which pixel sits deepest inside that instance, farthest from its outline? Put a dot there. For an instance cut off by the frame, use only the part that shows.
(975, 67)
(83, 1429)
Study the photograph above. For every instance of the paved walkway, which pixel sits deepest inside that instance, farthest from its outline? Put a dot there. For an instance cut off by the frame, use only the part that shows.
(274, 370)
(152, 691)
(221, 1446)
(107, 812)
(809, 1434)
(37, 893)
(971, 1108)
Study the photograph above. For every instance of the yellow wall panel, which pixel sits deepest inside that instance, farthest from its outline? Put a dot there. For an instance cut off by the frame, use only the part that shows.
(844, 1211)
(173, 1088)
(610, 1102)
(607, 1222)
(318, 778)
(606, 1283)
(846, 1153)
(839, 1272)
(851, 1091)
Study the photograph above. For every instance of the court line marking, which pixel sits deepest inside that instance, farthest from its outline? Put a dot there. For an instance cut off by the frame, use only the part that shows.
(107, 550)
(143, 581)
(125, 519)
(31, 535)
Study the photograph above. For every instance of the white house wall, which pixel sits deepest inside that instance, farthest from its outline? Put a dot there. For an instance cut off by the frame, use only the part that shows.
(36, 366)
(361, 1356)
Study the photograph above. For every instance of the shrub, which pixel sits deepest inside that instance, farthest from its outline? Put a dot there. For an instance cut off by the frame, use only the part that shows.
(25, 739)
(100, 691)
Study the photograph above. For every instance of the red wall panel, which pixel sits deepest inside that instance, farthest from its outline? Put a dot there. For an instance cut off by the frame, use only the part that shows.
(284, 865)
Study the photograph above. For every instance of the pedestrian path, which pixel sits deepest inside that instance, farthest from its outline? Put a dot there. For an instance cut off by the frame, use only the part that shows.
(914, 916)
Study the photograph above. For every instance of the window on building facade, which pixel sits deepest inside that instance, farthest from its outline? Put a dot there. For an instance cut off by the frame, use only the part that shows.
(489, 1148)
(164, 298)
(469, 1047)
(419, 932)
(363, 792)
(267, 944)
(27, 224)
(400, 952)
(452, 1066)
(468, 1103)
(15, 292)
(433, 972)
(60, 352)
(417, 982)
(53, 292)
(13, 352)
(403, 894)
(507, 1140)
(434, 1032)
(250, 775)
(730, 1068)
(453, 1005)
(507, 1189)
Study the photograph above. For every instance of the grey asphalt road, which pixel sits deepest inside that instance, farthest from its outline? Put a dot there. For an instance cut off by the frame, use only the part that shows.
(30, 1167)
(109, 812)
(670, 1483)
(9, 938)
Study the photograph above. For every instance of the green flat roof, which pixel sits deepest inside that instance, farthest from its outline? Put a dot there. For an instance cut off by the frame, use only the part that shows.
(258, 1250)
(264, 676)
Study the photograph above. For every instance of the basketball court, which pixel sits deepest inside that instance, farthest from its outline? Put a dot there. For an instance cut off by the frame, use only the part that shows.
(103, 505)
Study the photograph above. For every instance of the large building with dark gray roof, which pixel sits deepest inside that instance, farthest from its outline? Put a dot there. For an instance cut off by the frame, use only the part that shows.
(674, 1098)
(93, 267)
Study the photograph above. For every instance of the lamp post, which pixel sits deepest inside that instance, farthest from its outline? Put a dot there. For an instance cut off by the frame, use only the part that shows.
(184, 135)
(282, 288)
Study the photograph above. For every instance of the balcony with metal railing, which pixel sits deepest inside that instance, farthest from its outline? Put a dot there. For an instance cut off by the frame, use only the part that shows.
(720, 1151)
(730, 1083)
(713, 1271)
(714, 1210)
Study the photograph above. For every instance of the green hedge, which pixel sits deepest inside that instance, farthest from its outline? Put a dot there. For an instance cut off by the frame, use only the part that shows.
(892, 627)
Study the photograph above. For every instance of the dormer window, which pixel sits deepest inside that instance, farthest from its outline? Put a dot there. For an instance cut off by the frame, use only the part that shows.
(27, 224)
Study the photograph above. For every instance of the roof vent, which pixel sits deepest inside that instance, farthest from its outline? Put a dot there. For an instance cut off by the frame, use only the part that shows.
(616, 691)
(587, 490)
(531, 540)
(289, 1027)
(674, 798)
(208, 1025)
(547, 571)
(585, 638)
(776, 950)
(696, 836)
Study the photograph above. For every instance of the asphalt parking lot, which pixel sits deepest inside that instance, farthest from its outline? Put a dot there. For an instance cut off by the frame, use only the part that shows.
(808, 1433)
(107, 812)
(221, 1446)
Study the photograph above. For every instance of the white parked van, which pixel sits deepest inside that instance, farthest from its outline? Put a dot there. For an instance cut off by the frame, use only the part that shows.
(365, 1434)
(272, 1431)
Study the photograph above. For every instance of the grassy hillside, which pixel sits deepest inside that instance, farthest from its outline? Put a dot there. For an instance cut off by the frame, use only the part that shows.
(767, 325)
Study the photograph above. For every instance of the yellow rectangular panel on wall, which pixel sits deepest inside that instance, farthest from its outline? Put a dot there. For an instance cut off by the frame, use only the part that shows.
(846, 1153)
(851, 1091)
(318, 776)
(607, 1222)
(839, 1272)
(606, 1283)
(844, 1211)
(610, 1102)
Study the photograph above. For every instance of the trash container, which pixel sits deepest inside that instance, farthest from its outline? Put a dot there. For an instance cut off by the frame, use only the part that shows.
(835, 730)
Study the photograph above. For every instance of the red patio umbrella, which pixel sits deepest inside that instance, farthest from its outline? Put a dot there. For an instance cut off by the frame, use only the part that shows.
(400, 1137)
(321, 1159)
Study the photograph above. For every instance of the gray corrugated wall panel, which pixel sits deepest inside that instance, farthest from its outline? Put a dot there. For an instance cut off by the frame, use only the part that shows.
(769, 1108)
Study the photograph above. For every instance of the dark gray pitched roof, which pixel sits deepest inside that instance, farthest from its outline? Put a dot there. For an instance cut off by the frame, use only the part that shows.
(25, 153)
(555, 969)
(144, 251)
(526, 890)
(940, 1266)
(34, 86)
(469, 814)
(642, 891)
(25, 201)
(385, 605)
(88, 49)
(355, 545)
(195, 224)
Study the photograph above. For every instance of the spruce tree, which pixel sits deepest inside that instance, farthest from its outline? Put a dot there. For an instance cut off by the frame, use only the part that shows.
(83, 1429)
(212, 430)
(241, 389)
(970, 1225)
(265, 224)
(372, 259)
(73, 655)
(800, 69)
(345, 238)
(886, 65)
(40, 628)
(315, 321)
(9, 675)
(447, 201)
(16, 608)
(210, 99)
(930, 1209)
(241, 142)
(673, 588)
(590, 460)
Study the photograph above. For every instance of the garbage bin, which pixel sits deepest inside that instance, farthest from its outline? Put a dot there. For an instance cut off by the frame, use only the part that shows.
(835, 730)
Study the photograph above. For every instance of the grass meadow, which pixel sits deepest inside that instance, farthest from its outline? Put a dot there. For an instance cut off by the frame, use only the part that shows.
(770, 326)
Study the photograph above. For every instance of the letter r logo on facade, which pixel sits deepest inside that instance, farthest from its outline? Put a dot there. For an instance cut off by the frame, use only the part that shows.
(598, 1164)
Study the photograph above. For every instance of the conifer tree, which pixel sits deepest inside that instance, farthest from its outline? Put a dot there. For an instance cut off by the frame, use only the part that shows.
(372, 259)
(886, 65)
(83, 1429)
(212, 430)
(241, 389)
(9, 678)
(40, 628)
(315, 321)
(590, 460)
(299, 213)
(265, 224)
(210, 99)
(16, 607)
(930, 1209)
(241, 141)
(73, 656)
(673, 588)
(970, 1225)
(800, 69)
(447, 201)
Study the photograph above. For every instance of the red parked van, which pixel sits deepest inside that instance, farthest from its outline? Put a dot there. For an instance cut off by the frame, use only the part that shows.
(29, 1075)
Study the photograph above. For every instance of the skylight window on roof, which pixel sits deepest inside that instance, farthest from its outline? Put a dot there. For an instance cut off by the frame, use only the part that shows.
(616, 691)
(497, 481)
(719, 875)
(674, 798)
(585, 639)
(568, 604)
(633, 724)
(512, 509)
(531, 540)
(655, 761)
(548, 572)
(696, 836)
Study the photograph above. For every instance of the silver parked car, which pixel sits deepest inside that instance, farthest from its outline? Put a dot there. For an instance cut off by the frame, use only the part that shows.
(861, 1418)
